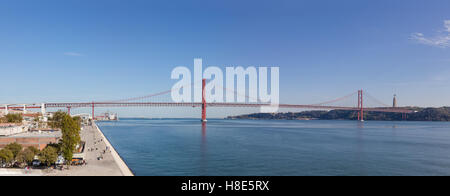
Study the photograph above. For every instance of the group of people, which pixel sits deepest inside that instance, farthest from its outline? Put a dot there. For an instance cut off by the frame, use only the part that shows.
(100, 157)
(27, 169)
(103, 153)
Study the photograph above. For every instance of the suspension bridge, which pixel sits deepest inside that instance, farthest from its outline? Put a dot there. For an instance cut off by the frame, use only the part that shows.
(360, 107)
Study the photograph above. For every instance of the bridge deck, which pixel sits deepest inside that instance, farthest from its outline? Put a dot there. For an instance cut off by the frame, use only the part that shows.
(241, 105)
(195, 104)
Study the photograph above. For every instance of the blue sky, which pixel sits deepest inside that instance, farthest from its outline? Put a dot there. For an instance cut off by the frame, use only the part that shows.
(83, 50)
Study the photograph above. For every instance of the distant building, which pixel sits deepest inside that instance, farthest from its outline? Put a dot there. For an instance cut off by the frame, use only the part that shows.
(38, 139)
(107, 117)
(7, 129)
(395, 101)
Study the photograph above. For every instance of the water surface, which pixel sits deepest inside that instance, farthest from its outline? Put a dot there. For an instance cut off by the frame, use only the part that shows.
(258, 147)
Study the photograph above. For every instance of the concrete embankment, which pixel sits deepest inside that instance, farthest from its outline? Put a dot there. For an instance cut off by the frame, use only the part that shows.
(123, 167)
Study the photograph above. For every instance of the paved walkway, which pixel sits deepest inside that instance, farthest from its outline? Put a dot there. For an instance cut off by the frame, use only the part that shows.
(95, 147)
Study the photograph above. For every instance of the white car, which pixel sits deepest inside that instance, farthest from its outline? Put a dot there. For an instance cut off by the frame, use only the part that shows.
(36, 163)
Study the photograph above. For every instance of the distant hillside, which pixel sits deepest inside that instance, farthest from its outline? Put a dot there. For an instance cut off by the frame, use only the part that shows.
(422, 114)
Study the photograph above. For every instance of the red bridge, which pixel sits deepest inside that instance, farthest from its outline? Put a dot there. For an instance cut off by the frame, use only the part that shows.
(133, 102)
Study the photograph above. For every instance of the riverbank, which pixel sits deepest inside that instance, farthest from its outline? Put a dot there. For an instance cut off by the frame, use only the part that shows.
(101, 157)
(419, 114)
(122, 165)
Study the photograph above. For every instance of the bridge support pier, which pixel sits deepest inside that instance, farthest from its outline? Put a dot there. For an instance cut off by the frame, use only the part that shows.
(43, 109)
(360, 106)
(203, 101)
(44, 112)
(6, 109)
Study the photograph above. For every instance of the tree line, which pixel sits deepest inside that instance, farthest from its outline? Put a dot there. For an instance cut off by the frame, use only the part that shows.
(15, 155)
(11, 118)
(420, 114)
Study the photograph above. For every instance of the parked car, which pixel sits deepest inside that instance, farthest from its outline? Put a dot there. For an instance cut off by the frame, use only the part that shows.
(78, 162)
(36, 163)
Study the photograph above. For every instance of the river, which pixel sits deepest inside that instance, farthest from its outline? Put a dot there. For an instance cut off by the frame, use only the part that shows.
(183, 147)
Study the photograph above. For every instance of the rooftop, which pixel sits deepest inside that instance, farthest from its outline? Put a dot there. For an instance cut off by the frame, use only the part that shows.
(9, 124)
(37, 134)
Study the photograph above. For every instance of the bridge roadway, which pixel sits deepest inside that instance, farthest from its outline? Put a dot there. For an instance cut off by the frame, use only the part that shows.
(194, 104)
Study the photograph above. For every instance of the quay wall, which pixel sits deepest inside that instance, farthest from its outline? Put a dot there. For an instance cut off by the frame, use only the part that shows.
(122, 165)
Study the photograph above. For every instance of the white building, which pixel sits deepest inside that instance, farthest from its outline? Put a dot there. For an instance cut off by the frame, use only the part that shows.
(11, 129)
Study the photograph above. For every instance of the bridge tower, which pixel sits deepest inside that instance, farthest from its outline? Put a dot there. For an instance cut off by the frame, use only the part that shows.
(203, 101)
(394, 104)
(360, 106)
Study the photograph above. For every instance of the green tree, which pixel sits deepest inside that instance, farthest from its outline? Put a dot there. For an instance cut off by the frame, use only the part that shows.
(70, 128)
(48, 156)
(34, 150)
(15, 148)
(6, 156)
(14, 118)
(57, 146)
(56, 120)
(70, 136)
(78, 120)
(27, 155)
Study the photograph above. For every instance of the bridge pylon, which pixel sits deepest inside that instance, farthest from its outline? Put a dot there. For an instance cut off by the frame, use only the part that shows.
(203, 101)
(360, 106)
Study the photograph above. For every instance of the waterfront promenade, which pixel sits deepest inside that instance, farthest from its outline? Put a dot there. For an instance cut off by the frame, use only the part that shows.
(111, 163)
